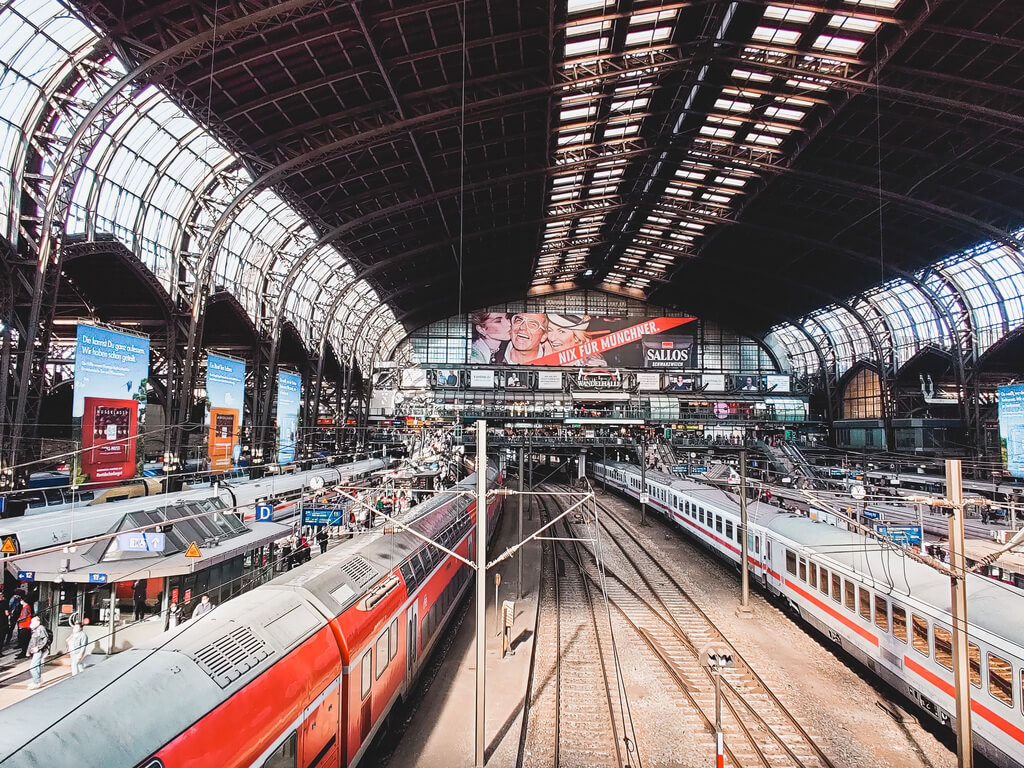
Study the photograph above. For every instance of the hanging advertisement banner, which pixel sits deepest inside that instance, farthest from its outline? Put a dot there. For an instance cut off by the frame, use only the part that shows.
(1011, 428)
(111, 374)
(225, 399)
(289, 395)
(530, 338)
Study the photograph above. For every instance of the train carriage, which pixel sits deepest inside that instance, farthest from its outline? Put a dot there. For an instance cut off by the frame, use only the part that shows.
(302, 671)
(886, 610)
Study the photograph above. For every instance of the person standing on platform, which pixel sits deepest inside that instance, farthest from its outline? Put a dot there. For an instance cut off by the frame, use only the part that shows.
(24, 628)
(321, 539)
(139, 598)
(38, 645)
(174, 614)
(5, 623)
(77, 643)
(204, 607)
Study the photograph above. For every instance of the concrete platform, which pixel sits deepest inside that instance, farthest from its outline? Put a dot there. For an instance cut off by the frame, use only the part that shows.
(441, 733)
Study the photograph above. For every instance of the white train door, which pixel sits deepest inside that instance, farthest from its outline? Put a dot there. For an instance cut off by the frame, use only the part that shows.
(411, 644)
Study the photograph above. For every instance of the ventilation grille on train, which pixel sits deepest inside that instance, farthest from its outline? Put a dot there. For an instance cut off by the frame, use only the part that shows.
(359, 570)
(229, 657)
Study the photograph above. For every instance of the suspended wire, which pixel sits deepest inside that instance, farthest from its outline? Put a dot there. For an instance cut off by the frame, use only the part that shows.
(878, 150)
(462, 153)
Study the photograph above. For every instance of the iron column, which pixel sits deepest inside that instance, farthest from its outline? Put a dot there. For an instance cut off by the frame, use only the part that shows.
(481, 584)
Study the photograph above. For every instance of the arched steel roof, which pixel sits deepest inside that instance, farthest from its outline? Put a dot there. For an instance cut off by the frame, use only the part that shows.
(358, 169)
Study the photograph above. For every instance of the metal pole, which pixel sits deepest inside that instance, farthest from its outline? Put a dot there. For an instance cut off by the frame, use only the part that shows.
(958, 587)
(481, 584)
(745, 589)
(719, 740)
(112, 626)
(529, 502)
(643, 480)
(519, 530)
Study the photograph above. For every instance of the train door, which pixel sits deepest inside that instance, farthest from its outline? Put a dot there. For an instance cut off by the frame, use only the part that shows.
(319, 731)
(766, 559)
(411, 645)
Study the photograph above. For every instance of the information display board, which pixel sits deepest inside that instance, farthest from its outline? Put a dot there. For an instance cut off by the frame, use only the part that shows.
(289, 396)
(1011, 428)
(225, 398)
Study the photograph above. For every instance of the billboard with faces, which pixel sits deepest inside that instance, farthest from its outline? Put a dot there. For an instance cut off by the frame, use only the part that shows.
(591, 341)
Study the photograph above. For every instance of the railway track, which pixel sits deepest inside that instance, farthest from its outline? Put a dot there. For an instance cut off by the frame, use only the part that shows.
(574, 714)
(759, 730)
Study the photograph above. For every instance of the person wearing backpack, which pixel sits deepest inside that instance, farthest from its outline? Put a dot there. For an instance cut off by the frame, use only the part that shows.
(38, 645)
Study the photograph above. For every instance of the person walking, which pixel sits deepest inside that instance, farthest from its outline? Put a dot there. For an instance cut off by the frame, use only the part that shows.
(77, 643)
(204, 607)
(38, 645)
(321, 539)
(13, 607)
(24, 628)
(5, 623)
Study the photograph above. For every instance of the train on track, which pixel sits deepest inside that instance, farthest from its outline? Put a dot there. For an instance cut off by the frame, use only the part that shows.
(889, 612)
(302, 671)
(65, 523)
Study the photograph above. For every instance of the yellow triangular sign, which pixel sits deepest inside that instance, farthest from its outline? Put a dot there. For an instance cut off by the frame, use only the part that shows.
(193, 550)
(8, 548)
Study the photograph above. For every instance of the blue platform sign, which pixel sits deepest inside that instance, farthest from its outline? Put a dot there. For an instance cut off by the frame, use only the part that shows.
(870, 514)
(26, 575)
(264, 513)
(322, 516)
(141, 542)
(97, 578)
(905, 535)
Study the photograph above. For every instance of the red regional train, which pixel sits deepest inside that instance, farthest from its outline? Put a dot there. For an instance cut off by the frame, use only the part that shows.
(299, 673)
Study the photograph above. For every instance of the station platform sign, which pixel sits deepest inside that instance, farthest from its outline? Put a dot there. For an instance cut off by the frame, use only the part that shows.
(905, 535)
(321, 516)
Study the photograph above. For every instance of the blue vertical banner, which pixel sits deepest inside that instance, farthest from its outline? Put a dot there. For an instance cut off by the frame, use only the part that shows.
(289, 396)
(1011, 428)
(109, 403)
(225, 406)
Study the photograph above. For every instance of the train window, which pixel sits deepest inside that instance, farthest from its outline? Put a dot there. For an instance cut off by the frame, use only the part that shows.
(881, 613)
(899, 623)
(813, 580)
(920, 627)
(393, 648)
(382, 653)
(728, 529)
(837, 584)
(1000, 679)
(823, 582)
(365, 674)
(865, 604)
(757, 544)
(943, 647)
(849, 596)
(700, 514)
(974, 662)
(285, 755)
(718, 523)
(802, 566)
(791, 562)
(686, 507)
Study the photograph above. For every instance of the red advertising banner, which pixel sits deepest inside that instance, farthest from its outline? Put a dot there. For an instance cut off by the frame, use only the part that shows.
(109, 429)
(606, 342)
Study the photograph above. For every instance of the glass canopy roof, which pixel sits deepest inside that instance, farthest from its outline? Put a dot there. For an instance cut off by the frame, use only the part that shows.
(159, 183)
(971, 299)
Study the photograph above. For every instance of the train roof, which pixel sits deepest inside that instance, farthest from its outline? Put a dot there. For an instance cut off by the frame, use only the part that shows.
(990, 605)
(340, 577)
(196, 667)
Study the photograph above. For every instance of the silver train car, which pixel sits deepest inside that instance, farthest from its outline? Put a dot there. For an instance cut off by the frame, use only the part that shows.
(887, 611)
(66, 523)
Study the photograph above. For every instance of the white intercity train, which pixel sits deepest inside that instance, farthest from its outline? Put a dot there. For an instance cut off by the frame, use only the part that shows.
(888, 611)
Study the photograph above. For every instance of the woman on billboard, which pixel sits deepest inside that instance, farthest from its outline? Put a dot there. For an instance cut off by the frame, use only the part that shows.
(491, 334)
(568, 331)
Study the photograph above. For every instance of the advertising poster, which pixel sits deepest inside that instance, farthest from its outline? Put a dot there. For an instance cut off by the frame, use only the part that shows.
(549, 380)
(225, 400)
(677, 382)
(414, 378)
(1011, 428)
(526, 338)
(777, 382)
(713, 382)
(111, 374)
(481, 379)
(747, 382)
(446, 377)
(289, 395)
(648, 382)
